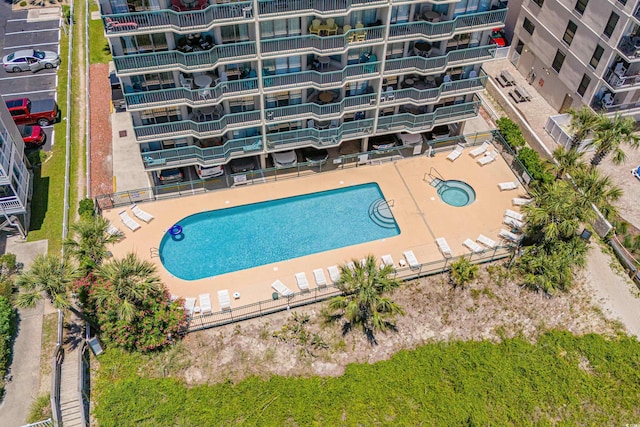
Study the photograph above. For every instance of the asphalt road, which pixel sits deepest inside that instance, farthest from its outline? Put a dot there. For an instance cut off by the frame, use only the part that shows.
(19, 31)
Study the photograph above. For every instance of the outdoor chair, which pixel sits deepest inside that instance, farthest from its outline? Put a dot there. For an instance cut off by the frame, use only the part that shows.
(512, 222)
(506, 234)
(455, 153)
(411, 259)
(334, 274)
(131, 223)
(190, 306)
(486, 241)
(205, 303)
(143, 215)
(282, 288)
(514, 215)
(487, 158)
(508, 185)
(472, 245)
(518, 201)
(224, 299)
(321, 280)
(303, 283)
(112, 230)
(480, 150)
(387, 260)
(444, 247)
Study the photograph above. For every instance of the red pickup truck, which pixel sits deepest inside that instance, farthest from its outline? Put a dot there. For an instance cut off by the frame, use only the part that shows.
(26, 112)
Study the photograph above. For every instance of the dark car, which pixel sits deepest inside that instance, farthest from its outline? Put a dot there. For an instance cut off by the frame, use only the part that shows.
(383, 142)
(315, 156)
(32, 135)
(168, 176)
(243, 164)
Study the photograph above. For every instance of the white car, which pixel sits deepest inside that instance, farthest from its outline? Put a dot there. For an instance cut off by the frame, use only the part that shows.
(209, 171)
(30, 59)
(284, 159)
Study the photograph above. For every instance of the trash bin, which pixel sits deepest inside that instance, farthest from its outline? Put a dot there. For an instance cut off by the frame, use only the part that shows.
(274, 296)
(586, 234)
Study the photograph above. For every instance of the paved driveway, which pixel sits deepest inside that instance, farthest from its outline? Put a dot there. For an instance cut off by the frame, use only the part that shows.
(37, 28)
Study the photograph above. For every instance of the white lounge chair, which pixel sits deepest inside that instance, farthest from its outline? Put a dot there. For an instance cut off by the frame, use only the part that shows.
(205, 304)
(224, 299)
(514, 215)
(351, 266)
(486, 241)
(487, 158)
(303, 283)
(519, 201)
(334, 273)
(512, 222)
(388, 260)
(321, 280)
(506, 234)
(282, 288)
(112, 230)
(145, 216)
(472, 245)
(507, 185)
(190, 305)
(131, 223)
(411, 259)
(455, 153)
(444, 247)
(480, 150)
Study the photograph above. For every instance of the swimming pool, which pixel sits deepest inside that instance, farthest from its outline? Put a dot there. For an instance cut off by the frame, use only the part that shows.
(226, 240)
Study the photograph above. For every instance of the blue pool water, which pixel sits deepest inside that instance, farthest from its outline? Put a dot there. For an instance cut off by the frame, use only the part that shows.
(232, 239)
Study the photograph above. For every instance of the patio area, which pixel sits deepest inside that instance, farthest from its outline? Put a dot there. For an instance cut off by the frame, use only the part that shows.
(419, 212)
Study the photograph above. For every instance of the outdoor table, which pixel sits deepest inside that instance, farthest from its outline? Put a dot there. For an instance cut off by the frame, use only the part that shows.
(203, 80)
(325, 97)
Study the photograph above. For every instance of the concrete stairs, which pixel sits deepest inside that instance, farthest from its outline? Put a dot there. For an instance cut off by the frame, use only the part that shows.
(70, 404)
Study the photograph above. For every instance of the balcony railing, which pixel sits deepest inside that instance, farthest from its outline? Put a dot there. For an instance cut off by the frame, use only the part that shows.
(285, 7)
(197, 129)
(320, 138)
(12, 205)
(189, 62)
(617, 81)
(420, 97)
(630, 46)
(442, 30)
(425, 122)
(321, 44)
(160, 98)
(321, 112)
(321, 80)
(455, 58)
(197, 20)
(192, 154)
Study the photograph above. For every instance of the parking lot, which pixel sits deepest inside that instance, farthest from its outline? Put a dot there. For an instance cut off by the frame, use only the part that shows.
(37, 28)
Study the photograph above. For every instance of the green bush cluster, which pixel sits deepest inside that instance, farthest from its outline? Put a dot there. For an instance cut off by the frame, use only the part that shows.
(511, 133)
(531, 160)
(7, 330)
(86, 208)
(562, 379)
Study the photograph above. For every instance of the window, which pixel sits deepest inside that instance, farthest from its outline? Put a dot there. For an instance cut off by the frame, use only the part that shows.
(611, 24)
(528, 26)
(581, 5)
(569, 33)
(558, 60)
(539, 2)
(584, 84)
(597, 54)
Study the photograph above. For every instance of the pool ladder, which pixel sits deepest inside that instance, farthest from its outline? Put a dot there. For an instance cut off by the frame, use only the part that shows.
(434, 177)
(154, 253)
(380, 213)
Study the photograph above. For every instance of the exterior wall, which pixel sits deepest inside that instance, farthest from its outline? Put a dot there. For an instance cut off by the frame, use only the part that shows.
(14, 174)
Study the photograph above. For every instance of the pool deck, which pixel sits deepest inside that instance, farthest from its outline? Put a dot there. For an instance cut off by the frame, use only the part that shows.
(421, 216)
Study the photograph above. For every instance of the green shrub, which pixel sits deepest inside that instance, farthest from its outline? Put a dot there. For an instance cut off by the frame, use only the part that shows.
(534, 165)
(40, 409)
(86, 208)
(511, 133)
(23, 4)
(463, 272)
(7, 330)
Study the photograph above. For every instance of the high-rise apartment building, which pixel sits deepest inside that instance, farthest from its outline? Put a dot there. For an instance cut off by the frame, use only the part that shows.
(15, 178)
(580, 52)
(206, 82)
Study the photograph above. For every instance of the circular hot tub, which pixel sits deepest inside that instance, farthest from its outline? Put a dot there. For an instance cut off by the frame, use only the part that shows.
(456, 193)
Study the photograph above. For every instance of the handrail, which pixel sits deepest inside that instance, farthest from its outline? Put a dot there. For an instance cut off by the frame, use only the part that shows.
(436, 171)
(56, 366)
(81, 381)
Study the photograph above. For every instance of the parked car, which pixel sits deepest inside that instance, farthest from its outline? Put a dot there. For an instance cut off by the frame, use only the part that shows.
(32, 135)
(169, 176)
(209, 171)
(243, 164)
(315, 156)
(497, 37)
(383, 142)
(284, 159)
(30, 59)
(26, 112)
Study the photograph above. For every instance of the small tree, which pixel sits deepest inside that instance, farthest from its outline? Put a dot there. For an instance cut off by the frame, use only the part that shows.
(50, 275)
(583, 122)
(610, 135)
(88, 242)
(463, 272)
(86, 208)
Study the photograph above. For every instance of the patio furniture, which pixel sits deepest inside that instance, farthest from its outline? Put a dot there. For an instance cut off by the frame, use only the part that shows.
(411, 259)
(203, 80)
(480, 150)
(487, 158)
(185, 82)
(131, 223)
(506, 234)
(205, 303)
(507, 185)
(325, 97)
(514, 215)
(303, 283)
(512, 222)
(143, 215)
(444, 247)
(112, 230)
(282, 288)
(505, 79)
(190, 306)
(321, 280)
(520, 94)
(455, 153)
(486, 241)
(224, 300)
(472, 245)
(334, 273)
(387, 260)
(518, 201)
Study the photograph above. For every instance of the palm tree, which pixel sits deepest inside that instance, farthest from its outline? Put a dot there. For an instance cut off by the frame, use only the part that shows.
(50, 275)
(131, 281)
(362, 303)
(88, 242)
(555, 212)
(567, 162)
(610, 134)
(599, 190)
(583, 122)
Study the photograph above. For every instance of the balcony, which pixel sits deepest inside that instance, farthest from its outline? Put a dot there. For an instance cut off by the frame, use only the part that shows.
(287, 7)
(191, 97)
(196, 129)
(618, 80)
(425, 122)
(12, 206)
(193, 21)
(417, 96)
(193, 154)
(188, 62)
(455, 58)
(321, 80)
(320, 138)
(444, 30)
(322, 45)
(327, 111)
(629, 46)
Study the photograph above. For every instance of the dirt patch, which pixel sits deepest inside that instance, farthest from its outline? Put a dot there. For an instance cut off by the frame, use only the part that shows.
(490, 309)
(100, 130)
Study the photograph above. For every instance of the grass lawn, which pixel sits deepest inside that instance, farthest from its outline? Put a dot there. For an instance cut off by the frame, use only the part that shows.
(99, 52)
(562, 379)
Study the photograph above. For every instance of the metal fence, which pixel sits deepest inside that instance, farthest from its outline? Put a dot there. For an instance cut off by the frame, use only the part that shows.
(56, 370)
(46, 423)
(298, 299)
